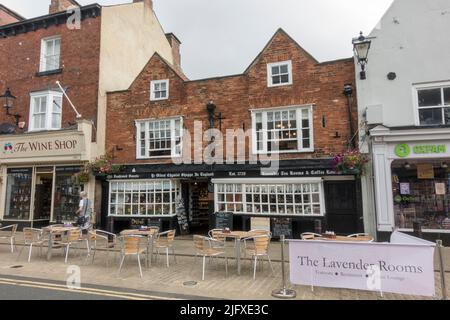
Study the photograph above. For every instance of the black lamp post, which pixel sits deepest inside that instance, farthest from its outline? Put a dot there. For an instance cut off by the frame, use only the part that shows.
(361, 46)
(9, 100)
(348, 92)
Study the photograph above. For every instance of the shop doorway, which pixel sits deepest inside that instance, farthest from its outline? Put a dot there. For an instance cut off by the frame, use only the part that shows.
(43, 195)
(342, 208)
(198, 206)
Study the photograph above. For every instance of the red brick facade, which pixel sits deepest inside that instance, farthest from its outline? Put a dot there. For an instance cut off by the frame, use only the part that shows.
(320, 84)
(79, 61)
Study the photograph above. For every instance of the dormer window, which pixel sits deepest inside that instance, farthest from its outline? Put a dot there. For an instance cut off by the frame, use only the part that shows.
(279, 74)
(159, 90)
(50, 54)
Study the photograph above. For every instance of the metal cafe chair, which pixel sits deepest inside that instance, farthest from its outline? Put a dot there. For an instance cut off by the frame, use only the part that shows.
(310, 236)
(205, 248)
(165, 240)
(32, 237)
(260, 248)
(99, 239)
(219, 237)
(132, 245)
(73, 238)
(366, 236)
(9, 233)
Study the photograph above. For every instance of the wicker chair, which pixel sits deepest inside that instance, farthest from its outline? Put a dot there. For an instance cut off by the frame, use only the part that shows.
(259, 248)
(205, 248)
(132, 245)
(165, 240)
(99, 239)
(9, 233)
(32, 237)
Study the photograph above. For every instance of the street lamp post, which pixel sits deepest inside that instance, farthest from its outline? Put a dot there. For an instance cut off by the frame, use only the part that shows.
(361, 46)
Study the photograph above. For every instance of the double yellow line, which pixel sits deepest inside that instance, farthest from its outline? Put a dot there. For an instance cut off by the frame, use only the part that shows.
(91, 291)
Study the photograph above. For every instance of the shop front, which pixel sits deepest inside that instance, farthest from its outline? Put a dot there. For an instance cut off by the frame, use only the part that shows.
(37, 175)
(412, 180)
(300, 196)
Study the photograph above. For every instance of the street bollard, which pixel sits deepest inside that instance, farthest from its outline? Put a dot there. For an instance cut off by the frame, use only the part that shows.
(442, 270)
(283, 293)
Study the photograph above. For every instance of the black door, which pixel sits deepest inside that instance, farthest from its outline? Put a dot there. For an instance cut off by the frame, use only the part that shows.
(342, 208)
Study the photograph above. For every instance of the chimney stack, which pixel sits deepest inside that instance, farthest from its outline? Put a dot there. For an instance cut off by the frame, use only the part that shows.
(148, 3)
(61, 5)
(175, 44)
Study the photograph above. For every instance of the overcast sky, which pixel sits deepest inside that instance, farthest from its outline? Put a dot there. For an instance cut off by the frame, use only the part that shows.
(222, 37)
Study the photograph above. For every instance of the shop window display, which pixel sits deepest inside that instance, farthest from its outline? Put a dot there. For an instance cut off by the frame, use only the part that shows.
(18, 195)
(421, 193)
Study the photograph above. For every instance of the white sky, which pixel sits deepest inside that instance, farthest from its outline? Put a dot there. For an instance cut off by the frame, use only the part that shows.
(222, 37)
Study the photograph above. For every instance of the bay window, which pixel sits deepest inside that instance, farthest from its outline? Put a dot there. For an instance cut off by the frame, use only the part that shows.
(143, 198)
(159, 138)
(282, 130)
(433, 104)
(270, 198)
(45, 111)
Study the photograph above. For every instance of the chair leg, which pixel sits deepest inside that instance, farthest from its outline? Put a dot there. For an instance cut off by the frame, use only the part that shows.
(226, 266)
(12, 245)
(174, 255)
(67, 253)
(139, 263)
(254, 267)
(203, 274)
(29, 252)
(121, 263)
(167, 256)
(270, 264)
(93, 254)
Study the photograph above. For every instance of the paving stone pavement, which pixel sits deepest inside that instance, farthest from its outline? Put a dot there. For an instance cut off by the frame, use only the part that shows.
(159, 278)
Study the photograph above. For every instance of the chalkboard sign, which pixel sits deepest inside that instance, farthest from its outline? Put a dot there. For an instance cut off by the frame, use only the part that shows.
(282, 226)
(137, 223)
(224, 220)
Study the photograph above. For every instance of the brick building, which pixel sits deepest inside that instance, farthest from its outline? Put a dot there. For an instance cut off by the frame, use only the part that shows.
(44, 141)
(292, 110)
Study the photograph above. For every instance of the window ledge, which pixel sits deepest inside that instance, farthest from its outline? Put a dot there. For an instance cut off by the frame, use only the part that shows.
(49, 72)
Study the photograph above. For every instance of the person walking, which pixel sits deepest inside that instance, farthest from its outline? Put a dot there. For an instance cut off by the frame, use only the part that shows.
(84, 212)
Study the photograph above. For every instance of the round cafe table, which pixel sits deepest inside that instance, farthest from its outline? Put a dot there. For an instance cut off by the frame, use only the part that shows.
(52, 232)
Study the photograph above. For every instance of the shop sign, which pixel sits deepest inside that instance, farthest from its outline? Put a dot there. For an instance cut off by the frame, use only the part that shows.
(260, 223)
(381, 267)
(26, 146)
(405, 150)
(425, 171)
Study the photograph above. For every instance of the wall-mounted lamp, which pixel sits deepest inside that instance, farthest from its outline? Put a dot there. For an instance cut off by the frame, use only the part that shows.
(213, 116)
(361, 46)
(8, 104)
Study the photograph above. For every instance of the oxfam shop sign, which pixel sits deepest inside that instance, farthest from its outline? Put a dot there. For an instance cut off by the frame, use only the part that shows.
(405, 150)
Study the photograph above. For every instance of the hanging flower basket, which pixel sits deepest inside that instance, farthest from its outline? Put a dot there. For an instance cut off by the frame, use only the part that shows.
(351, 163)
(103, 166)
(81, 177)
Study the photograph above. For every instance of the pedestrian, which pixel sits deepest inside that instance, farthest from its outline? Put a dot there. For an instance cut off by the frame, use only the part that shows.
(84, 212)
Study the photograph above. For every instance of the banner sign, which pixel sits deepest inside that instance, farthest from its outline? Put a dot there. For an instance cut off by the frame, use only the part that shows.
(383, 267)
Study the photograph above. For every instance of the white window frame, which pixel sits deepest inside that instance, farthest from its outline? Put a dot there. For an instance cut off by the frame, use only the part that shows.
(428, 86)
(152, 89)
(50, 95)
(270, 75)
(43, 63)
(272, 181)
(147, 138)
(174, 185)
(299, 110)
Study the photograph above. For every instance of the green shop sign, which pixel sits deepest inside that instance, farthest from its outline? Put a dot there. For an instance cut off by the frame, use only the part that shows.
(403, 150)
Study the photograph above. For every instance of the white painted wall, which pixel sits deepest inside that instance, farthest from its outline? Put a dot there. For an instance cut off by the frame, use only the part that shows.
(412, 40)
(130, 35)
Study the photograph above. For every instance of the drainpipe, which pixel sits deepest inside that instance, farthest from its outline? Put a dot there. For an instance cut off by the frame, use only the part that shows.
(348, 92)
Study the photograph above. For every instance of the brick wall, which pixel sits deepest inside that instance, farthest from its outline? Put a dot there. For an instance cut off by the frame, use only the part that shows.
(315, 83)
(80, 52)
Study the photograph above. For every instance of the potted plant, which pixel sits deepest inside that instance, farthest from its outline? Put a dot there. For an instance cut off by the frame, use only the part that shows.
(104, 165)
(351, 162)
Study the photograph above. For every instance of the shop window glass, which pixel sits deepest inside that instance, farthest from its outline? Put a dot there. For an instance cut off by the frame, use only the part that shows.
(146, 198)
(18, 194)
(434, 106)
(290, 199)
(421, 194)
